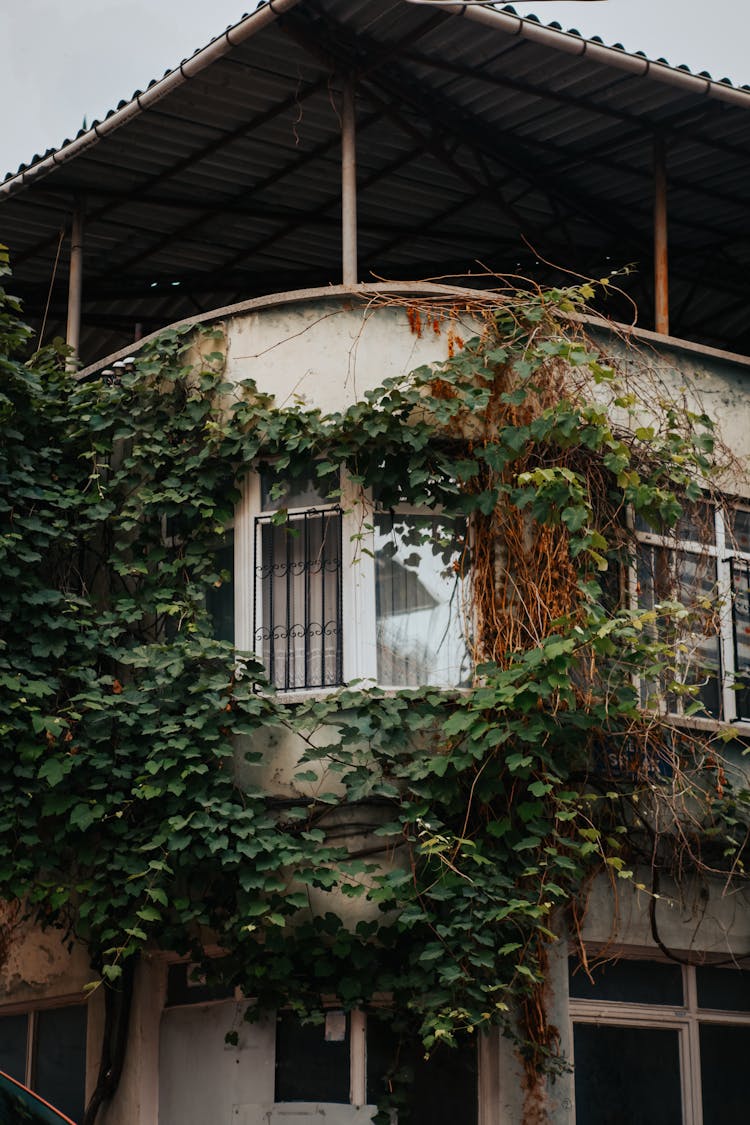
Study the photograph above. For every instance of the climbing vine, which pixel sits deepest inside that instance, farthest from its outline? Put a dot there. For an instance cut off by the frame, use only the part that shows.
(487, 809)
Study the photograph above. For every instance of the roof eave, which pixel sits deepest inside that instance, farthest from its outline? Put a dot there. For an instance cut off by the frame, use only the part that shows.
(247, 27)
(573, 44)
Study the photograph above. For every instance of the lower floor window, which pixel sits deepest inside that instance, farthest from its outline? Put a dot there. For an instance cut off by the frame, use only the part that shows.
(319, 1063)
(660, 1044)
(45, 1049)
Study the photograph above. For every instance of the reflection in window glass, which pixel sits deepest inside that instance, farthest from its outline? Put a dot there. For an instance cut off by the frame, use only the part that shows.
(696, 524)
(690, 579)
(276, 491)
(627, 1076)
(419, 601)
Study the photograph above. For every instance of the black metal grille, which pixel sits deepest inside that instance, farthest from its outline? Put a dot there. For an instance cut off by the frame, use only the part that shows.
(741, 634)
(297, 622)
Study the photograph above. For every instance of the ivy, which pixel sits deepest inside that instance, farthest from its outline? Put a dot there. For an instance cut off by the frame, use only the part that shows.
(123, 718)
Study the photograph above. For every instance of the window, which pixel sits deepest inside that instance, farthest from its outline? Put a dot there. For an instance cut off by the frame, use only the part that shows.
(45, 1048)
(297, 625)
(352, 1058)
(342, 593)
(220, 598)
(418, 600)
(660, 1044)
(704, 563)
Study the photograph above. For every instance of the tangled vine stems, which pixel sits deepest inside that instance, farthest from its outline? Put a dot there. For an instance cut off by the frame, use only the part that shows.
(121, 819)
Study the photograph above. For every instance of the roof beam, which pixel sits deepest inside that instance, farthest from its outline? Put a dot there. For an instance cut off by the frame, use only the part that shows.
(666, 126)
(202, 153)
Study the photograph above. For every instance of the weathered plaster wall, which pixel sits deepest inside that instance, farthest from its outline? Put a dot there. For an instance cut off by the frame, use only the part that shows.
(39, 963)
(328, 353)
(701, 383)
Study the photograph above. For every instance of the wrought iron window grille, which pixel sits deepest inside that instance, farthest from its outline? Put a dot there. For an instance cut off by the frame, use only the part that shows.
(297, 604)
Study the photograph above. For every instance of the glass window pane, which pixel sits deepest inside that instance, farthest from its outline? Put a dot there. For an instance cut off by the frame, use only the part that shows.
(298, 629)
(277, 491)
(727, 989)
(695, 525)
(627, 1075)
(220, 599)
(631, 982)
(60, 1058)
(13, 1032)
(310, 1068)
(738, 537)
(419, 599)
(186, 985)
(442, 1089)
(688, 578)
(741, 630)
(724, 1055)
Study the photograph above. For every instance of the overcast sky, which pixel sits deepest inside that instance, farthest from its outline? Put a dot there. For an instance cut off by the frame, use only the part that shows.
(64, 60)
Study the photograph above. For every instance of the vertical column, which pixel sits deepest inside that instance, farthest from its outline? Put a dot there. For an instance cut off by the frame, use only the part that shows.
(661, 260)
(349, 185)
(75, 282)
(358, 1058)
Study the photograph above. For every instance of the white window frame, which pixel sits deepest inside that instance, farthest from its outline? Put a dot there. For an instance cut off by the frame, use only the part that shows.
(359, 619)
(723, 553)
(685, 1019)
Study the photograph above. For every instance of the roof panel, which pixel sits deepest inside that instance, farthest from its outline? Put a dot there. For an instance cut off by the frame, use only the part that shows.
(473, 137)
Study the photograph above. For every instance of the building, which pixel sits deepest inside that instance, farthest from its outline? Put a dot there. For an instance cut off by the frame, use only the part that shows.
(270, 184)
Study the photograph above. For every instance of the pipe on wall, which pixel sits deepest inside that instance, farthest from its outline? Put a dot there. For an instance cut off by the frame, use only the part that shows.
(349, 184)
(75, 283)
(661, 257)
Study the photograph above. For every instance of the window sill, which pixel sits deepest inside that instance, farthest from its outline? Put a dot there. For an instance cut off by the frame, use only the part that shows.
(739, 728)
(307, 695)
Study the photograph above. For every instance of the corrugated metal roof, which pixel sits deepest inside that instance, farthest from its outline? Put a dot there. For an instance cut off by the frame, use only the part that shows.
(507, 144)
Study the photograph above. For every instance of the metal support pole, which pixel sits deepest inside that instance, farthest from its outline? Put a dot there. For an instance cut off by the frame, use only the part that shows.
(349, 185)
(661, 259)
(75, 283)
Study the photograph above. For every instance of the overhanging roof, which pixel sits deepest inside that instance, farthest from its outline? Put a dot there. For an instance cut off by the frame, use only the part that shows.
(481, 138)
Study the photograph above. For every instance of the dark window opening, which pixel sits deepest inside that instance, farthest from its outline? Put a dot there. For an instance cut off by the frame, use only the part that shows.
(46, 1050)
(625, 981)
(627, 1075)
(442, 1089)
(311, 1065)
(220, 597)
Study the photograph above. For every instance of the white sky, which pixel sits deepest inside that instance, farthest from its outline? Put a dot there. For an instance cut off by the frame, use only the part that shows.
(66, 59)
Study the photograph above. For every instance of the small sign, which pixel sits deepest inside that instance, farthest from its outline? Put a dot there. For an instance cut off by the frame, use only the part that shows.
(335, 1027)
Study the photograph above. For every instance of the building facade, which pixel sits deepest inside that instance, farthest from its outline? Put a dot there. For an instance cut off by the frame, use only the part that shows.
(645, 989)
